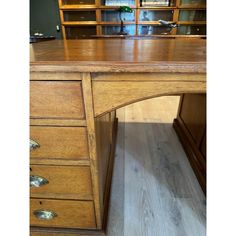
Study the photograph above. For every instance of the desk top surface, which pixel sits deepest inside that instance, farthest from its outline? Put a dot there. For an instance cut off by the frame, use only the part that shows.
(119, 55)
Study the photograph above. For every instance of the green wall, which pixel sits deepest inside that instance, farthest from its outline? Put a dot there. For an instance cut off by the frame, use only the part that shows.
(44, 17)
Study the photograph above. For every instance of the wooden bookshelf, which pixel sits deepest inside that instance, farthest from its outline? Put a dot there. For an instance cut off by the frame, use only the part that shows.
(93, 18)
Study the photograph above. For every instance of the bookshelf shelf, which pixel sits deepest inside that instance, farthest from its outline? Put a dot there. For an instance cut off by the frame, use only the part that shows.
(113, 7)
(148, 36)
(75, 7)
(151, 23)
(116, 23)
(90, 18)
(191, 22)
(192, 7)
(80, 23)
(158, 8)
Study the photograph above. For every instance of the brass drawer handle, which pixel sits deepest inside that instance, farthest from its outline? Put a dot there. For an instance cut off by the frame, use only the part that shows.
(45, 214)
(33, 145)
(37, 181)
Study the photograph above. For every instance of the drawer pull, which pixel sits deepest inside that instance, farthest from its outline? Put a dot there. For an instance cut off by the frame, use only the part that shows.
(45, 214)
(33, 145)
(37, 181)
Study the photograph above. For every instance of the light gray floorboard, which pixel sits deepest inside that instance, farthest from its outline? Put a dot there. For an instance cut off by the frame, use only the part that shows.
(154, 190)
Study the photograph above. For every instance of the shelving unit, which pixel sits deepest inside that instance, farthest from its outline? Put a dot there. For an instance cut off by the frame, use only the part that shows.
(92, 18)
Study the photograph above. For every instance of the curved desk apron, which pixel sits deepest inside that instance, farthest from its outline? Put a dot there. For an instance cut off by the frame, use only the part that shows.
(75, 88)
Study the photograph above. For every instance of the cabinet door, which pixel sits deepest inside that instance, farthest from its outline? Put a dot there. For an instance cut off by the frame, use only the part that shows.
(191, 30)
(193, 114)
(155, 15)
(79, 16)
(80, 32)
(192, 15)
(115, 29)
(113, 16)
(153, 30)
(194, 3)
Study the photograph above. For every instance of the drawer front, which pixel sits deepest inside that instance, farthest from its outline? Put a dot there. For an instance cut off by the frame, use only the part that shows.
(68, 182)
(62, 213)
(56, 99)
(59, 142)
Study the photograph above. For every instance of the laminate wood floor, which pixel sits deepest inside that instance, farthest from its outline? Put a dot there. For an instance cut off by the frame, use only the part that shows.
(154, 190)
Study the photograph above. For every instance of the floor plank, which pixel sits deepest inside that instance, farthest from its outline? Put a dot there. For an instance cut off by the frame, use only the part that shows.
(154, 190)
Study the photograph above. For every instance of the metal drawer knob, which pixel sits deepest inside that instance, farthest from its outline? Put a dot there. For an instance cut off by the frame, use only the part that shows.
(45, 214)
(33, 145)
(37, 181)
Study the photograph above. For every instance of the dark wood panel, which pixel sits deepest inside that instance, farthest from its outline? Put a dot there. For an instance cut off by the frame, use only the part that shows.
(194, 155)
(193, 114)
(190, 126)
(203, 146)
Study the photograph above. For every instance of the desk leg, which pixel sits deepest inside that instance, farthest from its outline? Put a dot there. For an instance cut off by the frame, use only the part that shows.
(102, 132)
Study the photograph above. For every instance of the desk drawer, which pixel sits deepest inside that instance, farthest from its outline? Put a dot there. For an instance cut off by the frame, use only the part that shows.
(56, 99)
(68, 182)
(59, 142)
(62, 213)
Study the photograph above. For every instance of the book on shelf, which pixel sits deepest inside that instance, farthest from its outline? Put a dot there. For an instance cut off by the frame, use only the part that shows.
(111, 3)
(119, 2)
(156, 3)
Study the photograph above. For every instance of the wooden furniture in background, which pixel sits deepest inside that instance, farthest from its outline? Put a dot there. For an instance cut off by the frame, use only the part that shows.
(89, 18)
(190, 126)
(85, 81)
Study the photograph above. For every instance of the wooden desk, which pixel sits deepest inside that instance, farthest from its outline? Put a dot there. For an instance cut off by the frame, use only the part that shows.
(75, 88)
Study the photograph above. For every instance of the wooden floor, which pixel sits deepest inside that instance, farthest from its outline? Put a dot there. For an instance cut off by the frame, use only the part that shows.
(154, 190)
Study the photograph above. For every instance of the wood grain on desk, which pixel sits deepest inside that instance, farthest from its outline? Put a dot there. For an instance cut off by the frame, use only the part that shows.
(117, 55)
